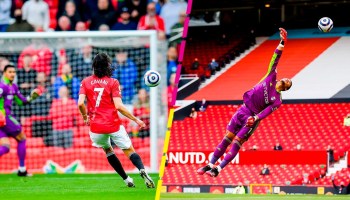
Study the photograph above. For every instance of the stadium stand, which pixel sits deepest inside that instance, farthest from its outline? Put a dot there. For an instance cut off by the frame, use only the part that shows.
(313, 125)
(283, 126)
(204, 50)
(248, 71)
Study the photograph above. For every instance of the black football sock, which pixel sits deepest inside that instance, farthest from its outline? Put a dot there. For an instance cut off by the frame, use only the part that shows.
(136, 160)
(115, 163)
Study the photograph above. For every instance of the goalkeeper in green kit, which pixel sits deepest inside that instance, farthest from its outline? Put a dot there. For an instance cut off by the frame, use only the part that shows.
(9, 126)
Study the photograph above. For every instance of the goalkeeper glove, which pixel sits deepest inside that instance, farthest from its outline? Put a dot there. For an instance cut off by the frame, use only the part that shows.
(251, 120)
(283, 35)
(2, 119)
(37, 92)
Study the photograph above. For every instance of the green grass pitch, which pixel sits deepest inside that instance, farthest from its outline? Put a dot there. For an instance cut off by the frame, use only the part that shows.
(74, 187)
(204, 196)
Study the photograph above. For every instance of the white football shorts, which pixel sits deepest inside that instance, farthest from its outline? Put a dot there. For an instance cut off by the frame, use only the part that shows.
(120, 138)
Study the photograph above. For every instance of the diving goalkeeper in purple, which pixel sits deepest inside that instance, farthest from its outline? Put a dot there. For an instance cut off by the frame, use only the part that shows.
(9, 126)
(258, 103)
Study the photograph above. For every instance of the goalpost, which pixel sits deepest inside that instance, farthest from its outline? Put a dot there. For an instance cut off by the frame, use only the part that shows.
(57, 142)
(260, 188)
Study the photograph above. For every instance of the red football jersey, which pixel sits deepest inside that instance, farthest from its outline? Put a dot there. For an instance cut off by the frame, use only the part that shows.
(101, 110)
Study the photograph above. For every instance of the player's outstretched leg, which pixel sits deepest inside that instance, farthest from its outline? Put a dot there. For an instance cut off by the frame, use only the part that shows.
(219, 151)
(21, 154)
(136, 160)
(4, 144)
(117, 166)
(242, 136)
(227, 159)
(122, 140)
(4, 149)
(237, 143)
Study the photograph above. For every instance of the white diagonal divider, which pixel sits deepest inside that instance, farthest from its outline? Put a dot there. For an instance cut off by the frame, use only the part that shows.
(325, 76)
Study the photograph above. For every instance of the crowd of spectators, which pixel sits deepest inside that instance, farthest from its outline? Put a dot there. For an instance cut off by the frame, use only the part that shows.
(59, 71)
(167, 17)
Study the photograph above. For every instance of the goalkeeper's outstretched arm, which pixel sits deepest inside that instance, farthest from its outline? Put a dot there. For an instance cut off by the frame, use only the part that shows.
(277, 54)
(34, 94)
(21, 100)
(283, 36)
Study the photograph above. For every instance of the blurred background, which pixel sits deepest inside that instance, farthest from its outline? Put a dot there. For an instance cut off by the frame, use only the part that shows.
(304, 144)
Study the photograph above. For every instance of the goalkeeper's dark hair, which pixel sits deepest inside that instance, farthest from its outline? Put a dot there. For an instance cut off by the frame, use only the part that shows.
(8, 66)
(102, 65)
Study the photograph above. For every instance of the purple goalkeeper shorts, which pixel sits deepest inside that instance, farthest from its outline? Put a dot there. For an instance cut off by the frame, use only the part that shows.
(238, 122)
(12, 128)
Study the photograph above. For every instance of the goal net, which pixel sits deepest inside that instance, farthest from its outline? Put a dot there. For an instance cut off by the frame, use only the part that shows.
(260, 188)
(57, 140)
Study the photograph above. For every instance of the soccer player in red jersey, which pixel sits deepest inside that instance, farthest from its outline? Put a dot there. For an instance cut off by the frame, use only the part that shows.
(103, 95)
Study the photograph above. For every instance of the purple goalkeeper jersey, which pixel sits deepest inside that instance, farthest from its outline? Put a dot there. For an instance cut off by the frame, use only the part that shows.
(263, 98)
(8, 93)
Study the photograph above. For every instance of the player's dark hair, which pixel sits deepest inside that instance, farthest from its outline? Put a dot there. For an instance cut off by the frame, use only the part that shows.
(102, 65)
(9, 66)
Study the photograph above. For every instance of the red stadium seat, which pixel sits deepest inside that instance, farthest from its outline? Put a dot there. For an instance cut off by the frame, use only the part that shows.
(306, 124)
(53, 21)
(205, 51)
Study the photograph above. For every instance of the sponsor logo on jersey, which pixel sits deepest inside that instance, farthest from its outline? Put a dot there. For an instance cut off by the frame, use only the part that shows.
(9, 97)
(266, 94)
(273, 98)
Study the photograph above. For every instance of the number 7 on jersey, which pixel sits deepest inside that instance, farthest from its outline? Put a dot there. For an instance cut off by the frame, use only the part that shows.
(99, 97)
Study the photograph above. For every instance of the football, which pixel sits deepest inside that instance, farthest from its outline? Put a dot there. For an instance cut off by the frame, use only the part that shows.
(325, 24)
(152, 78)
